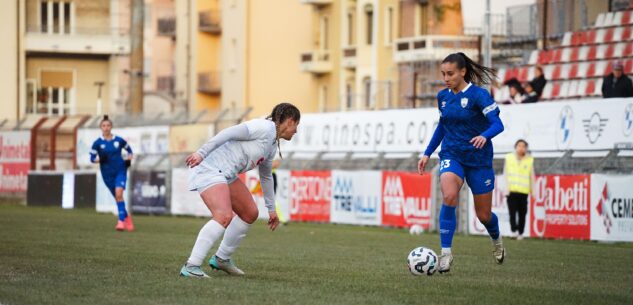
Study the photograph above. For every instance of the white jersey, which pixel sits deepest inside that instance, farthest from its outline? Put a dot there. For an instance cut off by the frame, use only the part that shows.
(238, 156)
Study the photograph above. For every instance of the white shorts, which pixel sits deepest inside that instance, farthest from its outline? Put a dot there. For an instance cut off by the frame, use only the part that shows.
(200, 178)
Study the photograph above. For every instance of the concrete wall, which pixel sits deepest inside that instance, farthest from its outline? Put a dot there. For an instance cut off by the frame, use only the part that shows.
(9, 61)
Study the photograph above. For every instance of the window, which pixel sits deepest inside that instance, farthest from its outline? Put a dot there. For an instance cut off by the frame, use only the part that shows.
(54, 96)
(367, 88)
(423, 19)
(369, 15)
(349, 94)
(350, 29)
(56, 17)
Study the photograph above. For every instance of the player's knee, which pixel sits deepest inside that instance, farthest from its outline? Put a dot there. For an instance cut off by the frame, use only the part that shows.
(484, 216)
(450, 199)
(224, 219)
(250, 216)
(118, 197)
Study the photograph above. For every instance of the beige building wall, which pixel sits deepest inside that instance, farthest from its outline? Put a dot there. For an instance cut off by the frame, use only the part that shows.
(184, 64)
(9, 61)
(234, 41)
(85, 73)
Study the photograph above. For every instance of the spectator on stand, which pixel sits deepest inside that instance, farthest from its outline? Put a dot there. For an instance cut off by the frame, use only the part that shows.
(516, 91)
(530, 94)
(539, 81)
(616, 83)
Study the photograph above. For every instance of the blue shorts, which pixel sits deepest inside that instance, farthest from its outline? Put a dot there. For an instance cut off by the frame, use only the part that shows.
(114, 181)
(481, 180)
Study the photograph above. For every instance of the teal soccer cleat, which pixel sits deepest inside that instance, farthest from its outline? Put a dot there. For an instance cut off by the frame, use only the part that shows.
(192, 271)
(225, 265)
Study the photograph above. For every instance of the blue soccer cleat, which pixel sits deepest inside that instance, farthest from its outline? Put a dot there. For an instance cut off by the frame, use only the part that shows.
(192, 271)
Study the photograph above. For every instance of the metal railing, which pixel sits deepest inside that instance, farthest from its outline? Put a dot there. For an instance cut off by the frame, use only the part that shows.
(78, 30)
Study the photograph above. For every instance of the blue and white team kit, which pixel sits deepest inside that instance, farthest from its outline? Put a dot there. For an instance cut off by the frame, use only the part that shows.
(463, 116)
(112, 165)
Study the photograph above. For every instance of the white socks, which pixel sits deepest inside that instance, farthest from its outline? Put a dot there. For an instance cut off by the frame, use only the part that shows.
(209, 233)
(234, 234)
(446, 250)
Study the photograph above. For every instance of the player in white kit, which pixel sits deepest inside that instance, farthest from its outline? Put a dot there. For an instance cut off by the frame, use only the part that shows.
(214, 170)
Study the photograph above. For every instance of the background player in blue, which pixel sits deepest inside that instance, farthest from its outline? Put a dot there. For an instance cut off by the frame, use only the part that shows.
(106, 151)
(469, 119)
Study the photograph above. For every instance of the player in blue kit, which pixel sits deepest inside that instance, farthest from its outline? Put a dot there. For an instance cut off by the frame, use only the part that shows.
(106, 151)
(469, 119)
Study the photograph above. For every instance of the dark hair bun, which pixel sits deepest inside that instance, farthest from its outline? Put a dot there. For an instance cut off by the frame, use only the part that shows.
(105, 117)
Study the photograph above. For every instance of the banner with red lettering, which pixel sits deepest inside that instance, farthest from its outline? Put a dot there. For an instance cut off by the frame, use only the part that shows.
(406, 199)
(612, 207)
(560, 207)
(15, 160)
(310, 195)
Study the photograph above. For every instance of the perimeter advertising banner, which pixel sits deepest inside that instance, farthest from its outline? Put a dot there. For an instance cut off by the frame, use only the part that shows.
(560, 208)
(310, 195)
(149, 192)
(611, 208)
(15, 161)
(406, 199)
(183, 201)
(356, 197)
(500, 208)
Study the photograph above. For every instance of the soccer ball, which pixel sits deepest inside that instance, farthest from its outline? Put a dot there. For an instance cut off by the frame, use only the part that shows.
(422, 261)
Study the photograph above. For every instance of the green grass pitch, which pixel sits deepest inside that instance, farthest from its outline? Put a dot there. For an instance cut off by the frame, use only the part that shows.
(55, 256)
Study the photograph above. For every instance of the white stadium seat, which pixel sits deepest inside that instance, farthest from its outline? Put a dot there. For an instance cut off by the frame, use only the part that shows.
(600, 20)
(533, 57)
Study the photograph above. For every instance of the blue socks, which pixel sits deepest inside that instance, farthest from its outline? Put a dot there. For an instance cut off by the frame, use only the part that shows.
(122, 211)
(493, 226)
(448, 222)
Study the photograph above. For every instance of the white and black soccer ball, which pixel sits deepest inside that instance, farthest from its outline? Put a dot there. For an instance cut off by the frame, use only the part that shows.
(422, 261)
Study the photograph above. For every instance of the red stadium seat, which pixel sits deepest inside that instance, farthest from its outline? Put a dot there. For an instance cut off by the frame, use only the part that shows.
(608, 36)
(573, 71)
(574, 54)
(555, 90)
(591, 70)
(523, 74)
(628, 49)
(626, 17)
(591, 55)
(556, 72)
(628, 66)
(626, 33)
(557, 55)
(576, 38)
(609, 50)
(591, 37)
(591, 86)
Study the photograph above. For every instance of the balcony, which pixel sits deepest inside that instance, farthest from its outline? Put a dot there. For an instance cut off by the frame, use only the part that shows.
(209, 82)
(317, 62)
(77, 40)
(349, 57)
(433, 47)
(210, 22)
(317, 2)
(167, 27)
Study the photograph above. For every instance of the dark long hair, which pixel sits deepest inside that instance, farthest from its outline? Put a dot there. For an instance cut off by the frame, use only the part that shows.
(282, 112)
(475, 73)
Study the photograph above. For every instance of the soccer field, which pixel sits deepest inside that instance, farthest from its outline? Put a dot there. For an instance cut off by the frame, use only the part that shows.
(55, 256)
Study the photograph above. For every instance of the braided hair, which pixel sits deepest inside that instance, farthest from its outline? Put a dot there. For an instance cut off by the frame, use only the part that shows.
(475, 73)
(281, 113)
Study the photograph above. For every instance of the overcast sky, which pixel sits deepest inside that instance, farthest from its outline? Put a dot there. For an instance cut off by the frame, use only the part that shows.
(473, 10)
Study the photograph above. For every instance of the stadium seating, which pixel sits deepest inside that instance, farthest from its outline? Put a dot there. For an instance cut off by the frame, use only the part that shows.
(575, 68)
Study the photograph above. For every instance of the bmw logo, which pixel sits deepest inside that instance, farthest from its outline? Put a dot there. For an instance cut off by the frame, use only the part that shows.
(565, 127)
(627, 123)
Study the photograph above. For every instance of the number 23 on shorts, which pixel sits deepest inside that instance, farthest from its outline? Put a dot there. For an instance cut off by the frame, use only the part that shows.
(444, 164)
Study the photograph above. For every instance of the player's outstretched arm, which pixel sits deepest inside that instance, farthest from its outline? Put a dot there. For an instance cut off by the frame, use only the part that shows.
(234, 133)
(268, 188)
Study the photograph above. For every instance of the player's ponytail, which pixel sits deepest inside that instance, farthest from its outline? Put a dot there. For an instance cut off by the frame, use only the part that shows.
(280, 113)
(106, 118)
(475, 73)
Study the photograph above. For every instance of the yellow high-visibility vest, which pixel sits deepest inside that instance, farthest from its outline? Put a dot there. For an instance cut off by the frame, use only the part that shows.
(518, 173)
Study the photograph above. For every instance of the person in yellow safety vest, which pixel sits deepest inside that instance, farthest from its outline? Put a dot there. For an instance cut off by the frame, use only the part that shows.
(518, 171)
